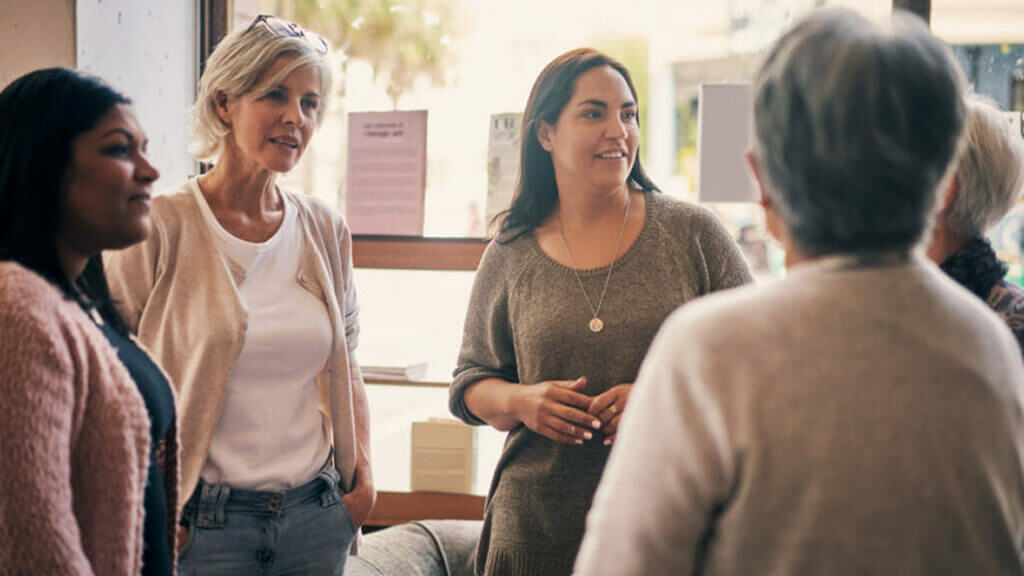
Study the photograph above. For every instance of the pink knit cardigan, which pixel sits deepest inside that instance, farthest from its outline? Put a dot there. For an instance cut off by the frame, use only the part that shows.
(74, 440)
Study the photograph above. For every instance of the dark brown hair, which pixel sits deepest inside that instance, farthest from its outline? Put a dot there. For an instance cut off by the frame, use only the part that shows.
(41, 113)
(536, 191)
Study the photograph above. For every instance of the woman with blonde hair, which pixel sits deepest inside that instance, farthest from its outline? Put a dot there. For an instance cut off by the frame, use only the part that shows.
(245, 295)
(988, 183)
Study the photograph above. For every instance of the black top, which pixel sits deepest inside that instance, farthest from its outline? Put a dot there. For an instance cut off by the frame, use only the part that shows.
(977, 268)
(156, 392)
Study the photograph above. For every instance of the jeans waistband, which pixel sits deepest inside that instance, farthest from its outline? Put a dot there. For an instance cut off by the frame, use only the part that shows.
(212, 501)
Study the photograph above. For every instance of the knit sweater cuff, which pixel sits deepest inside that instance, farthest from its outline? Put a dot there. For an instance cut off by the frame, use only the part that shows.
(512, 562)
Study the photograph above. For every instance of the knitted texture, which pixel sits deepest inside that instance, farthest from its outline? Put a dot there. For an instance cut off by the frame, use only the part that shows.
(977, 268)
(527, 323)
(846, 420)
(74, 446)
(180, 296)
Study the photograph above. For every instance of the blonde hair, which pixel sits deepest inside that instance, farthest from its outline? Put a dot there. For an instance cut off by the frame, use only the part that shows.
(236, 68)
(991, 171)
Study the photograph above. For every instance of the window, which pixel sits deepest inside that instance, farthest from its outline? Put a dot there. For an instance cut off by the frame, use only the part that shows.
(481, 59)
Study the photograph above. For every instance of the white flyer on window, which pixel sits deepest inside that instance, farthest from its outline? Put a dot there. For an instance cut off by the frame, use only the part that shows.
(502, 161)
(387, 169)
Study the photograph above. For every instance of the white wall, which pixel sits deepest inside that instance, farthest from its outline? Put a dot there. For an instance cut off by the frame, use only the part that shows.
(148, 50)
(35, 34)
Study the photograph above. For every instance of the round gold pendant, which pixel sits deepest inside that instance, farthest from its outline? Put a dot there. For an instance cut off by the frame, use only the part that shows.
(596, 325)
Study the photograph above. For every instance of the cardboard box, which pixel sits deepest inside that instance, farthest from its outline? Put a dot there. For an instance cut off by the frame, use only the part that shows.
(443, 456)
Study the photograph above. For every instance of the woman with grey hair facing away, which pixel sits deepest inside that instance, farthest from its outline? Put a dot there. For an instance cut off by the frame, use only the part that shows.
(988, 182)
(862, 415)
(244, 294)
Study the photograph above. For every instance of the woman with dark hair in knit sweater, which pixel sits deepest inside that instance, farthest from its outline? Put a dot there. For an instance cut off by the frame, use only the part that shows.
(88, 450)
(589, 260)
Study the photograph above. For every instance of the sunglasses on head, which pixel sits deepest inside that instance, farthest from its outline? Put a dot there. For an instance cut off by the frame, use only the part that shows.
(286, 29)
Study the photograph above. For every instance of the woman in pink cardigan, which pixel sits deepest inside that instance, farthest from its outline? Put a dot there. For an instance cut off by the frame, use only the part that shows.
(88, 449)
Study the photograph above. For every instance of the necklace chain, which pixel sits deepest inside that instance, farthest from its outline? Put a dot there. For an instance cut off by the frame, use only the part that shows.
(595, 323)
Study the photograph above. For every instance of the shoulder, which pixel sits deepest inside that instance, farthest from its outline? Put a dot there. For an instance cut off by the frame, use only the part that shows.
(22, 290)
(724, 316)
(175, 215)
(315, 211)
(1007, 300)
(506, 255)
(686, 227)
(1007, 296)
(675, 215)
(174, 204)
(33, 312)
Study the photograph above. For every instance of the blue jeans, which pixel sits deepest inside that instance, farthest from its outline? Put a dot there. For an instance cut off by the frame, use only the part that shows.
(305, 530)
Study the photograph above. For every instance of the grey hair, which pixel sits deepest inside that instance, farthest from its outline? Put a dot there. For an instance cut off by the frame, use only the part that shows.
(236, 68)
(856, 127)
(991, 171)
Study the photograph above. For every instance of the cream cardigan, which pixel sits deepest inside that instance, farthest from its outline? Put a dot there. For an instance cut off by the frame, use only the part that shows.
(74, 442)
(176, 292)
(848, 419)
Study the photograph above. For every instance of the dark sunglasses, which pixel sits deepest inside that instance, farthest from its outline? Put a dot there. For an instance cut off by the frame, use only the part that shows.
(286, 29)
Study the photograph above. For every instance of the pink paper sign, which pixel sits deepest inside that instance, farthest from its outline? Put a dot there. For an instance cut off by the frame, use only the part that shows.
(387, 167)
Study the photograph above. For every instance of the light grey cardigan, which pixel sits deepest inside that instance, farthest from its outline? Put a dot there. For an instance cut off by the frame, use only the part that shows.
(845, 420)
(179, 296)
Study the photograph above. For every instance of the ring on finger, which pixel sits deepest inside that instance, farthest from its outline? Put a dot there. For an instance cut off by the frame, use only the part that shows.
(572, 430)
(613, 409)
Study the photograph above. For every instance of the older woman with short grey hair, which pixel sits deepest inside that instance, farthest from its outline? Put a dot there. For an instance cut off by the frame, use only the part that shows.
(989, 181)
(864, 415)
(244, 293)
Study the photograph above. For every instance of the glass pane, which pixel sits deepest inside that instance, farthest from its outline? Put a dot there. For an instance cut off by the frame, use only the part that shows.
(477, 59)
(394, 409)
(409, 317)
(473, 59)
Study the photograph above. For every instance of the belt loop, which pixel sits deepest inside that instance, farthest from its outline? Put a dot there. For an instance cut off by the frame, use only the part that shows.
(212, 502)
(222, 503)
(331, 479)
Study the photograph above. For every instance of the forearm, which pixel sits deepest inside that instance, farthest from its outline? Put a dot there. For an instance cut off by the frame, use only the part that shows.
(494, 401)
(361, 410)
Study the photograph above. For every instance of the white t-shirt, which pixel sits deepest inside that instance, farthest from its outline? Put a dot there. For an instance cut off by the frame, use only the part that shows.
(271, 434)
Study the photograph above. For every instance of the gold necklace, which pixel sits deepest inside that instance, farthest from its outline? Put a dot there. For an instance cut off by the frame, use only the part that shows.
(595, 324)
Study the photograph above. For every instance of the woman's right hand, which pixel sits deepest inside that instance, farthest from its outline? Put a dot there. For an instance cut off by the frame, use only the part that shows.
(557, 410)
(182, 538)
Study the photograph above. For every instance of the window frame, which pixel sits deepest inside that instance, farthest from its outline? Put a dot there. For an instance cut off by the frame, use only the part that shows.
(412, 252)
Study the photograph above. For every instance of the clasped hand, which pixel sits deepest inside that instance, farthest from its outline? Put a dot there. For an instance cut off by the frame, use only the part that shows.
(360, 500)
(558, 410)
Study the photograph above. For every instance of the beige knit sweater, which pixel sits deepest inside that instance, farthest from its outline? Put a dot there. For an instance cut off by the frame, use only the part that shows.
(74, 439)
(180, 297)
(847, 420)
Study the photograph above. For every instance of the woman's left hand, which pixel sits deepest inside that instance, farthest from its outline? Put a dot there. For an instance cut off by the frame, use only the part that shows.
(608, 408)
(360, 500)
